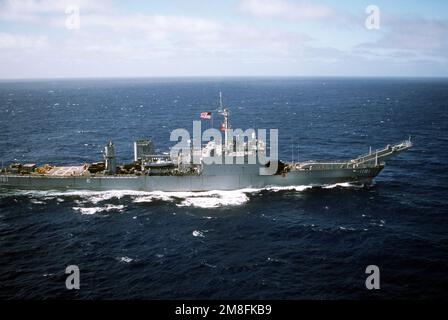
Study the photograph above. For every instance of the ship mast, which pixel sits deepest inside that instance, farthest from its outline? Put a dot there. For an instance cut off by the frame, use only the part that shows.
(109, 158)
(225, 124)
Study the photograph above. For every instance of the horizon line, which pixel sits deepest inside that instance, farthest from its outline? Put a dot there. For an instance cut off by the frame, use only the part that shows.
(222, 76)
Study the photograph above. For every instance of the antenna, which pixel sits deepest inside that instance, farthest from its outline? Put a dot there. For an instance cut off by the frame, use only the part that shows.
(226, 125)
(292, 152)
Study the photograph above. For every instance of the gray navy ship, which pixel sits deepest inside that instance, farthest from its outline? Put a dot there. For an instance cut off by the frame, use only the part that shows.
(168, 172)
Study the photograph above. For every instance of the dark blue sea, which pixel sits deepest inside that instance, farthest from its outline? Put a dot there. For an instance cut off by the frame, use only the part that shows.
(299, 243)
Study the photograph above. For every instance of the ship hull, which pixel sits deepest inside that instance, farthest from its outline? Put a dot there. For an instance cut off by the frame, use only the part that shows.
(202, 182)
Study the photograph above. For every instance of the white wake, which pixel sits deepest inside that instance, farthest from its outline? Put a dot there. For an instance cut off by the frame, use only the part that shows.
(91, 202)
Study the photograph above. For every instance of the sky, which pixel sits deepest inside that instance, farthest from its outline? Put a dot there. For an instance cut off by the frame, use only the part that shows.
(136, 38)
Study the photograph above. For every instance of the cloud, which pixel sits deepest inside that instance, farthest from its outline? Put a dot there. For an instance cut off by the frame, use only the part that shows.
(39, 10)
(51, 6)
(146, 37)
(13, 41)
(149, 23)
(285, 9)
(111, 42)
(106, 30)
(415, 34)
(409, 39)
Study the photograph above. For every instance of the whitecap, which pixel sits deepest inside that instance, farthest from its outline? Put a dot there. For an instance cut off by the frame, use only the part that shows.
(93, 210)
(87, 210)
(298, 188)
(151, 196)
(205, 199)
(126, 259)
(342, 185)
(346, 228)
(37, 201)
(197, 233)
(214, 199)
(104, 196)
(84, 196)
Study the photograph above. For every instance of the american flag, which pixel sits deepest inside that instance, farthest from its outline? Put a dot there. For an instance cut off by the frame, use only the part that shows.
(206, 115)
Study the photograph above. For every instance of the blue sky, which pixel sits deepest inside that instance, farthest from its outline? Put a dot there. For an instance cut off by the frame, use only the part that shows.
(137, 38)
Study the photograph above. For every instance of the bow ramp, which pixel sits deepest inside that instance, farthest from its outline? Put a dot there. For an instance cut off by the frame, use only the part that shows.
(382, 154)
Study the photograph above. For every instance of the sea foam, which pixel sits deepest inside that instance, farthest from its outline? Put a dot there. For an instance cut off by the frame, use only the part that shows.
(202, 199)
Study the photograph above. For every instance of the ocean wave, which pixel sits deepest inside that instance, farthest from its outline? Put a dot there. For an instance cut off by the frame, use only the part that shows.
(125, 259)
(343, 185)
(35, 201)
(156, 195)
(215, 199)
(198, 233)
(93, 210)
(288, 188)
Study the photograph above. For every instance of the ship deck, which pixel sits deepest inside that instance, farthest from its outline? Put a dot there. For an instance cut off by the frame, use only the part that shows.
(66, 171)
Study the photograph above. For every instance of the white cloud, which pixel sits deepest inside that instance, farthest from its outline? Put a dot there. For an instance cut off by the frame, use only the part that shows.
(139, 22)
(39, 10)
(114, 43)
(409, 39)
(285, 9)
(106, 30)
(49, 6)
(151, 35)
(415, 34)
(13, 41)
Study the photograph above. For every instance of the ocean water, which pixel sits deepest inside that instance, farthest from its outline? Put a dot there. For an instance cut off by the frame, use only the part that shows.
(276, 243)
